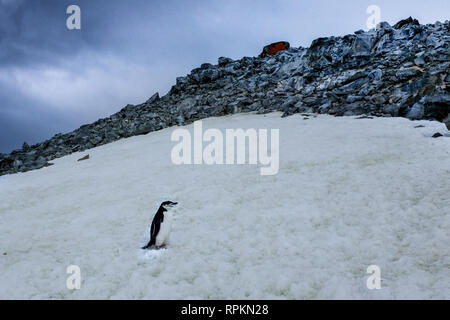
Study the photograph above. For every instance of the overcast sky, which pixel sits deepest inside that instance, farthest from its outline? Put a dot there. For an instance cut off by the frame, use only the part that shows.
(53, 79)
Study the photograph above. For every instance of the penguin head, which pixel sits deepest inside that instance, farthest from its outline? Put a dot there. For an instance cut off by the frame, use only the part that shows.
(168, 204)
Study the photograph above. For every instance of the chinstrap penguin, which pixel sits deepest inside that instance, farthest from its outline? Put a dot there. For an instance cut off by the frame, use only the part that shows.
(161, 225)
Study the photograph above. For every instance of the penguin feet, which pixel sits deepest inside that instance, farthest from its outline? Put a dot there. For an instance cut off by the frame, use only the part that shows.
(163, 246)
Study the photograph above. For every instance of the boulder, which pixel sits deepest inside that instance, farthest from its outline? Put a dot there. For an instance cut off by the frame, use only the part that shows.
(388, 71)
(447, 122)
(406, 22)
(153, 98)
(437, 106)
(25, 147)
(223, 61)
(363, 43)
(274, 48)
(86, 157)
(376, 74)
(416, 112)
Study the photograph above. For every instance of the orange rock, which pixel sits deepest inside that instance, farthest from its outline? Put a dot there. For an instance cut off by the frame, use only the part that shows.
(274, 48)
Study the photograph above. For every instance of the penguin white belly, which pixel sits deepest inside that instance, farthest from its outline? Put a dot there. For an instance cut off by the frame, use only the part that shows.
(164, 230)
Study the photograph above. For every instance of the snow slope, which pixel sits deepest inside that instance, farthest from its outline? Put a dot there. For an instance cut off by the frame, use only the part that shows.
(350, 193)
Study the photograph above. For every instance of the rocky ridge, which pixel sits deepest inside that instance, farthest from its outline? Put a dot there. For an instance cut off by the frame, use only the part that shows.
(391, 71)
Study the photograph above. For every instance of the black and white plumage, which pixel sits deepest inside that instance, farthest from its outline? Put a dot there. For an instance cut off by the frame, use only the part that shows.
(161, 225)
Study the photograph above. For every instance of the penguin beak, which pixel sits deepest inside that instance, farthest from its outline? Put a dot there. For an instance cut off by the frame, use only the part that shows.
(173, 204)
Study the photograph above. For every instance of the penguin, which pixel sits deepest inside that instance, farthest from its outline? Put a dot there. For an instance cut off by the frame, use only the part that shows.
(161, 225)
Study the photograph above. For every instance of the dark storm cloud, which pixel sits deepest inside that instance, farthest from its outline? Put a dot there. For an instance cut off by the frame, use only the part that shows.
(19, 120)
(54, 80)
(34, 31)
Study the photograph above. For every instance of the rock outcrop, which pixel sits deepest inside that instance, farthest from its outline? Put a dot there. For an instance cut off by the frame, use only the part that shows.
(388, 72)
(273, 48)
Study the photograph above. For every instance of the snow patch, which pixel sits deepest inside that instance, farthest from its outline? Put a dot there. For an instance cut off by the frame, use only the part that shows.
(350, 193)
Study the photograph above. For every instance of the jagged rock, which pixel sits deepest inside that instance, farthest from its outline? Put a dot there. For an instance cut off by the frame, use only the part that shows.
(375, 74)
(86, 157)
(447, 122)
(25, 146)
(389, 71)
(223, 61)
(437, 107)
(274, 48)
(408, 21)
(407, 73)
(17, 164)
(419, 61)
(363, 43)
(154, 98)
(416, 112)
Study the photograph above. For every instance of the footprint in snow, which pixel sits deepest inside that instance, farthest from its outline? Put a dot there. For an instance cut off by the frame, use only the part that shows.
(154, 254)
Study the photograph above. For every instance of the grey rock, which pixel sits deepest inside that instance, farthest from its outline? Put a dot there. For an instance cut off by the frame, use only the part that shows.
(153, 98)
(363, 43)
(419, 61)
(416, 112)
(224, 61)
(352, 98)
(389, 71)
(376, 74)
(406, 22)
(407, 73)
(447, 122)
(25, 147)
(437, 106)
(17, 164)
(86, 157)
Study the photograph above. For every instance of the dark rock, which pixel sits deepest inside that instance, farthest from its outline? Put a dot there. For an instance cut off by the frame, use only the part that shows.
(405, 22)
(419, 61)
(224, 61)
(416, 112)
(153, 99)
(86, 157)
(25, 147)
(363, 43)
(385, 27)
(437, 135)
(447, 122)
(17, 164)
(378, 99)
(437, 107)
(399, 71)
(407, 73)
(376, 74)
(40, 162)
